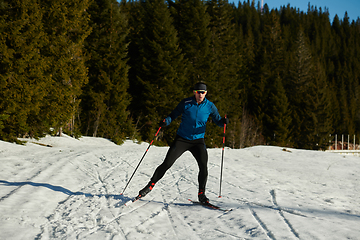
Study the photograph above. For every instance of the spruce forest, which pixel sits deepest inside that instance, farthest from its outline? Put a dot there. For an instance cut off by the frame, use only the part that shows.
(114, 69)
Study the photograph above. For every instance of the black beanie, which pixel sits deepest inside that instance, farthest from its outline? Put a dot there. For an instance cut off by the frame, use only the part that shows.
(200, 86)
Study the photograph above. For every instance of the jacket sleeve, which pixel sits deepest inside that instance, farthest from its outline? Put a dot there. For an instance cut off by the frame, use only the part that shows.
(216, 116)
(175, 113)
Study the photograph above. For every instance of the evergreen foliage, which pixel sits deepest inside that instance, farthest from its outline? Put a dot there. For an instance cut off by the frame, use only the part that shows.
(66, 24)
(105, 98)
(159, 79)
(225, 85)
(299, 90)
(116, 69)
(23, 69)
(192, 21)
(277, 116)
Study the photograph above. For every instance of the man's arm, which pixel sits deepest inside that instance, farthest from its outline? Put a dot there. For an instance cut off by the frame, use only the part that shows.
(175, 113)
(216, 116)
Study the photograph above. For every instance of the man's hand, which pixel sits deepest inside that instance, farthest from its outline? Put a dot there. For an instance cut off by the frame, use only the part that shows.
(162, 123)
(225, 120)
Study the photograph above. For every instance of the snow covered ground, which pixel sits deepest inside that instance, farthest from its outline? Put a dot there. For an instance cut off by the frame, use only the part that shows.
(72, 191)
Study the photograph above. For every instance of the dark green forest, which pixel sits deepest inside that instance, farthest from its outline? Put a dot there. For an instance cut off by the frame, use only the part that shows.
(115, 69)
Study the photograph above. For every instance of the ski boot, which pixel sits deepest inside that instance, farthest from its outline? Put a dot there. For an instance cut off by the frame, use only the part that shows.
(143, 192)
(202, 198)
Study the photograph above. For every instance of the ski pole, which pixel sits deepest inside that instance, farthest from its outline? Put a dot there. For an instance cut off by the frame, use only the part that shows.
(222, 159)
(141, 161)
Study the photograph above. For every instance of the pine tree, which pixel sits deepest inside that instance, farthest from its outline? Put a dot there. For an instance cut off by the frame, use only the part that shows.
(250, 26)
(273, 72)
(192, 23)
(344, 65)
(159, 80)
(300, 75)
(349, 97)
(23, 82)
(66, 25)
(278, 117)
(320, 100)
(225, 85)
(105, 98)
(248, 29)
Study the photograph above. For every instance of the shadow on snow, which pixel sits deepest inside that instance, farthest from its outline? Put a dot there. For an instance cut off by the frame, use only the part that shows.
(60, 189)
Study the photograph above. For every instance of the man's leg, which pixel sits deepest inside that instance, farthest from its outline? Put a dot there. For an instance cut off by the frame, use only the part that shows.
(200, 153)
(175, 151)
(177, 148)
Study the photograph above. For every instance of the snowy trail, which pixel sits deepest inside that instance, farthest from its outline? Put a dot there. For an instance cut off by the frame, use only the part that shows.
(71, 190)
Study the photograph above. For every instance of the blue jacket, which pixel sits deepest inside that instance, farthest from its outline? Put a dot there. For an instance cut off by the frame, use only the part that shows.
(194, 117)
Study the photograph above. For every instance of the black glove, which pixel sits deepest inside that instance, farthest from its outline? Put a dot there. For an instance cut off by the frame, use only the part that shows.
(225, 121)
(162, 123)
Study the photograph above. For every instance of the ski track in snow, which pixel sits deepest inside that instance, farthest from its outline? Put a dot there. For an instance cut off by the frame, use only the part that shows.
(72, 191)
(262, 224)
(280, 211)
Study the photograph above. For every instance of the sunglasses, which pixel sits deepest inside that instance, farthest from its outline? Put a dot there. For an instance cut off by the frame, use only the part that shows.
(200, 91)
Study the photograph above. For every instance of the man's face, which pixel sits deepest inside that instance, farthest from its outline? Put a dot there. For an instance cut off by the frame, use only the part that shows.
(199, 95)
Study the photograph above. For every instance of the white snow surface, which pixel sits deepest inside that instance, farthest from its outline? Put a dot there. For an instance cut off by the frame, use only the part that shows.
(72, 190)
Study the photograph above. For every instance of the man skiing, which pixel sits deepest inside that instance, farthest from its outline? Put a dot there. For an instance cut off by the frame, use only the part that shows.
(195, 112)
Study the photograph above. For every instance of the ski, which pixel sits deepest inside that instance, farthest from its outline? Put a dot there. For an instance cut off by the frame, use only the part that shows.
(131, 201)
(121, 203)
(212, 206)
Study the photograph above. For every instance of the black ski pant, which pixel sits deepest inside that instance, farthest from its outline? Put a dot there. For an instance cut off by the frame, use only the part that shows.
(179, 146)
